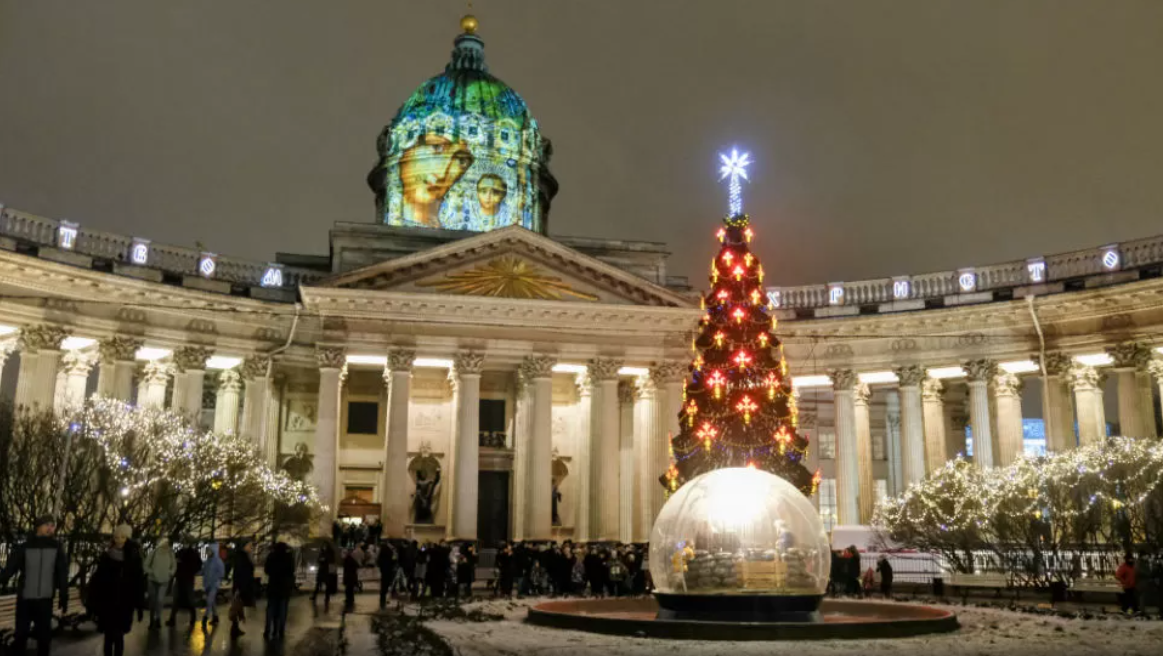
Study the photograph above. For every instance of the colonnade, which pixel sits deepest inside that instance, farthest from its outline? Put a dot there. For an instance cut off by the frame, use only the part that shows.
(623, 448)
(1072, 396)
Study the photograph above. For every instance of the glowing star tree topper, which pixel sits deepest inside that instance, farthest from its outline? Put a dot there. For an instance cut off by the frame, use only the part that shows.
(733, 169)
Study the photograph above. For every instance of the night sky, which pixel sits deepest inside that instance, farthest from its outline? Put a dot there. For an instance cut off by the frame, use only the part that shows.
(890, 136)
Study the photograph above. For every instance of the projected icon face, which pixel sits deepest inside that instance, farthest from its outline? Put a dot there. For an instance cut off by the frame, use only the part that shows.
(427, 171)
(491, 192)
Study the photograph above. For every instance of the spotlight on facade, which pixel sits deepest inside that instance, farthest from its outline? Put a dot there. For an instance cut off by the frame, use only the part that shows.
(1094, 359)
(76, 343)
(150, 353)
(378, 360)
(946, 372)
(222, 362)
(566, 368)
(878, 377)
(432, 363)
(7, 330)
(1019, 367)
(633, 371)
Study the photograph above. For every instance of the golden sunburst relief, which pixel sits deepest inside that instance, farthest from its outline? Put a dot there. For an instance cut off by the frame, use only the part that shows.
(507, 277)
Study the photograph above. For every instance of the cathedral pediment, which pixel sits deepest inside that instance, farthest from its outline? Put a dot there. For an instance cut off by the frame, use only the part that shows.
(509, 263)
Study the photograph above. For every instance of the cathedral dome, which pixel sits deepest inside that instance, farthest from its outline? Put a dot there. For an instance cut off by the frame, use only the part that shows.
(463, 152)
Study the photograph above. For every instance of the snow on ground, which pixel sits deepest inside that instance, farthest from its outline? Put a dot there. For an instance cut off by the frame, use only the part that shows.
(983, 631)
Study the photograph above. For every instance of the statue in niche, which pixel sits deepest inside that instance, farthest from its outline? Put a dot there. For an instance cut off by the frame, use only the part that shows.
(299, 466)
(560, 471)
(425, 472)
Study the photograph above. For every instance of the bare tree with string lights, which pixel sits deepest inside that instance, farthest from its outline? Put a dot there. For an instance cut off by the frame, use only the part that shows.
(738, 408)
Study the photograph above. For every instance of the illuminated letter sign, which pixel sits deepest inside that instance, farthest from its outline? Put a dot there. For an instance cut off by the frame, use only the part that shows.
(835, 294)
(774, 296)
(273, 277)
(1110, 259)
(967, 281)
(139, 252)
(208, 264)
(900, 289)
(67, 235)
(1037, 270)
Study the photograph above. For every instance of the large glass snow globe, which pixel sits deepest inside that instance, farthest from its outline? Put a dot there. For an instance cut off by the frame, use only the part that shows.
(739, 543)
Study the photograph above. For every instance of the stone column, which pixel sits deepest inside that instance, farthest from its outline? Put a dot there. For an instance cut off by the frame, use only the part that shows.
(1057, 408)
(257, 383)
(581, 470)
(933, 408)
(653, 432)
(979, 373)
(394, 483)
(1130, 358)
(604, 450)
(522, 423)
(866, 496)
(847, 467)
(1155, 369)
(40, 357)
(627, 481)
(190, 362)
(330, 360)
(466, 368)
(6, 349)
(115, 372)
(226, 404)
(892, 441)
(77, 365)
(157, 376)
(1088, 404)
(1007, 390)
(912, 423)
(539, 493)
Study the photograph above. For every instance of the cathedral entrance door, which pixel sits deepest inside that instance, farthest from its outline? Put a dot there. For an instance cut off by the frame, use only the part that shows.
(492, 508)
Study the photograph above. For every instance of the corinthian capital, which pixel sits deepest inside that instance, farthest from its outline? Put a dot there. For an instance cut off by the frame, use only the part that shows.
(604, 368)
(1006, 384)
(330, 357)
(468, 362)
(861, 393)
(191, 357)
(980, 370)
(910, 375)
(1083, 377)
(229, 380)
(255, 367)
(1155, 366)
(1057, 363)
(669, 371)
(401, 359)
(119, 349)
(537, 366)
(1130, 355)
(842, 379)
(932, 389)
(157, 372)
(42, 337)
(78, 363)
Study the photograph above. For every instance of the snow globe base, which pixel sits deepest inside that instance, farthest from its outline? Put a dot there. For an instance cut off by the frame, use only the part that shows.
(739, 607)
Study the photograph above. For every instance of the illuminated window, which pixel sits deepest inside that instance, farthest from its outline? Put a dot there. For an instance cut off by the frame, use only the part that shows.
(827, 445)
(827, 494)
(67, 235)
(139, 251)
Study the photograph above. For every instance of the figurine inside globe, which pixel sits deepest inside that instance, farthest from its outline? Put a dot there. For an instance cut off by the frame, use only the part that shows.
(739, 532)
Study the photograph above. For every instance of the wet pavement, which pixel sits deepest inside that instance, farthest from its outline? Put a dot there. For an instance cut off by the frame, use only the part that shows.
(312, 630)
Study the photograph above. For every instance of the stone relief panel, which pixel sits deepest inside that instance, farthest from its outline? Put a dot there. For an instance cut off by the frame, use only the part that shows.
(429, 422)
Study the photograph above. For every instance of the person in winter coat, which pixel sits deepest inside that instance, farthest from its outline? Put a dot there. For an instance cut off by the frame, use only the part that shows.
(350, 577)
(189, 563)
(884, 569)
(245, 586)
(324, 568)
(504, 564)
(213, 571)
(160, 567)
(44, 570)
(280, 571)
(1125, 574)
(386, 562)
(115, 590)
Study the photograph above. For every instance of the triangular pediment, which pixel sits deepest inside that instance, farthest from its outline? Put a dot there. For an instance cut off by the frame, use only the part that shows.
(509, 263)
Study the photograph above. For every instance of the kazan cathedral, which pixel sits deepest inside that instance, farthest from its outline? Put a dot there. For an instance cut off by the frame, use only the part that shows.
(456, 370)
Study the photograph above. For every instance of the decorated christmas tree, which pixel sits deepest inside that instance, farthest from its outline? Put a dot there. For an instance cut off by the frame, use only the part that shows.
(738, 409)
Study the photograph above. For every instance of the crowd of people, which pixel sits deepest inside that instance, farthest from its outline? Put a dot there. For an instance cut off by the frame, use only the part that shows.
(848, 579)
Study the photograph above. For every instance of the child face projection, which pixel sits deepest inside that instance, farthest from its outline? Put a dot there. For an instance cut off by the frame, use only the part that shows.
(427, 171)
(491, 192)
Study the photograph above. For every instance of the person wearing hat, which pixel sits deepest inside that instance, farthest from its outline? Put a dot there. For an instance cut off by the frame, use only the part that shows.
(44, 569)
(115, 591)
